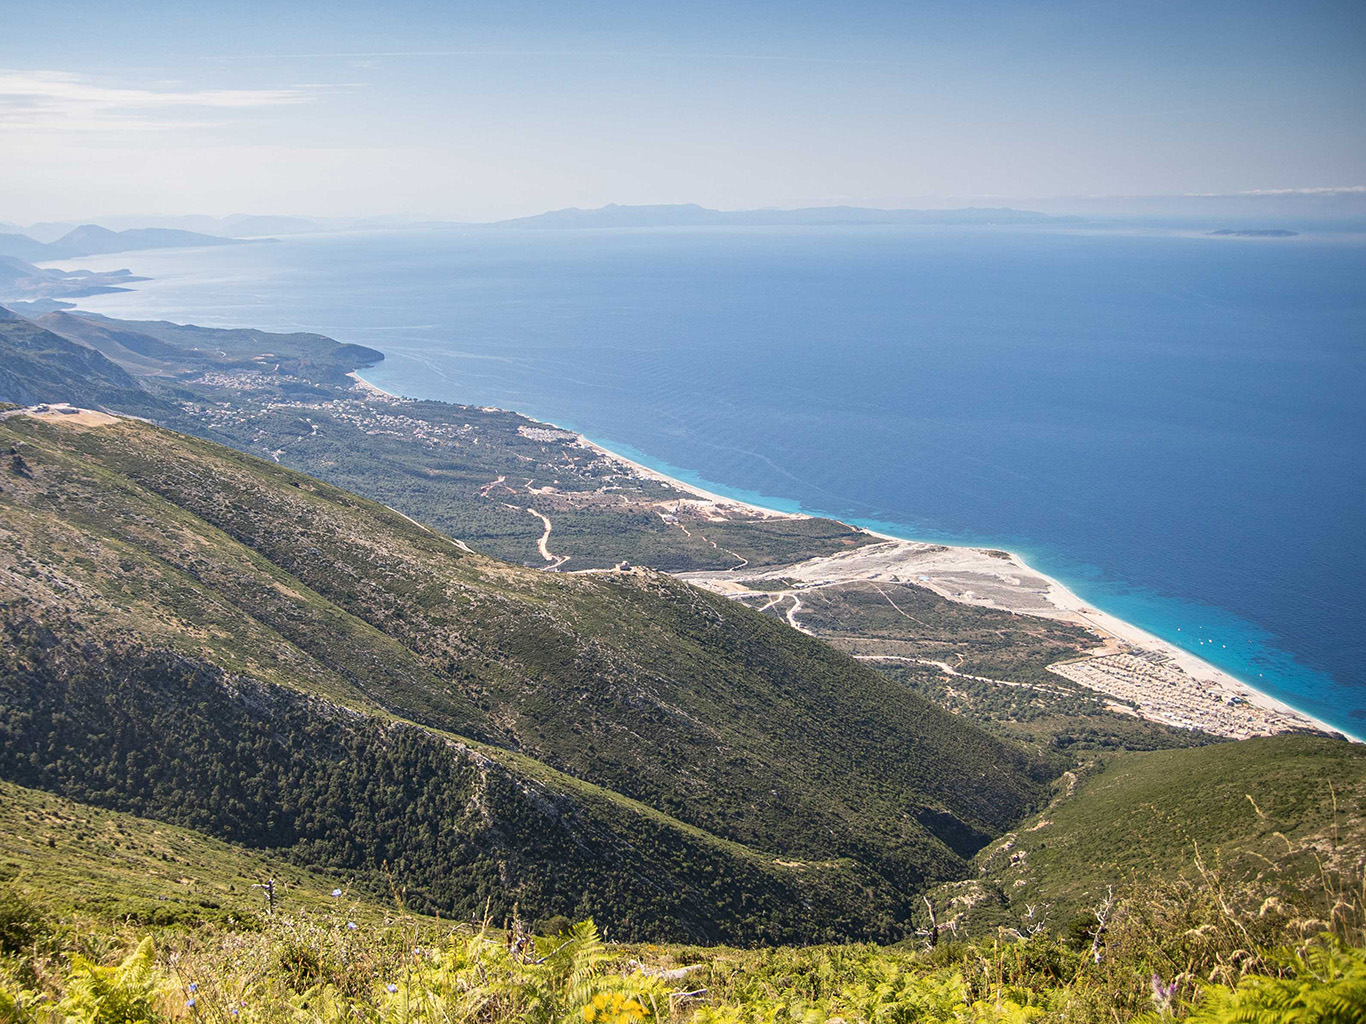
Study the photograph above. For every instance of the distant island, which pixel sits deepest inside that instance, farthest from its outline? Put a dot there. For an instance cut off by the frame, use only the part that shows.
(44, 289)
(692, 215)
(23, 282)
(93, 240)
(1254, 233)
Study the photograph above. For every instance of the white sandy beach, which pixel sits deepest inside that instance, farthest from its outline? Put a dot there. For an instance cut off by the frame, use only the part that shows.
(373, 389)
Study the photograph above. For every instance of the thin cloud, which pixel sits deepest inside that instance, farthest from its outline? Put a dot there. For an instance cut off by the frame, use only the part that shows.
(60, 101)
(1323, 190)
(366, 58)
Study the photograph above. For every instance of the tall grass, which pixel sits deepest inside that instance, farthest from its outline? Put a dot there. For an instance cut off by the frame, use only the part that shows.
(1284, 946)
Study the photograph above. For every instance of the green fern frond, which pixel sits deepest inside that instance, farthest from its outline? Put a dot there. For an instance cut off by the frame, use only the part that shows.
(125, 994)
(1327, 985)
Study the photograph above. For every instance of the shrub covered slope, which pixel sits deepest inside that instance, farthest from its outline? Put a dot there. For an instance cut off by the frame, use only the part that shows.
(198, 636)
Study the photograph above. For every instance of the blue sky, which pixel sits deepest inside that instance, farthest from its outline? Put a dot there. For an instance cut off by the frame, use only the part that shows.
(490, 109)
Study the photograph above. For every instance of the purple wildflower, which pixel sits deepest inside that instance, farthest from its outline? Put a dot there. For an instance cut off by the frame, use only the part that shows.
(1163, 993)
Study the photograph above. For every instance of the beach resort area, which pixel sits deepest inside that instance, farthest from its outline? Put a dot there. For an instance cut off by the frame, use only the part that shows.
(1139, 673)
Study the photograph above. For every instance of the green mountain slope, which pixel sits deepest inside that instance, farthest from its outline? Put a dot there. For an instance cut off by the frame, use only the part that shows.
(157, 345)
(84, 860)
(1283, 811)
(201, 637)
(479, 474)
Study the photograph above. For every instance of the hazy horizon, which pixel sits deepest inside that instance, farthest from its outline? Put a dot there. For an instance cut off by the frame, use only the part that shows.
(1307, 209)
(494, 111)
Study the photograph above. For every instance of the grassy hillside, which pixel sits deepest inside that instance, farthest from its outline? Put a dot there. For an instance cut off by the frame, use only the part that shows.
(163, 925)
(80, 860)
(162, 594)
(1287, 813)
(1170, 954)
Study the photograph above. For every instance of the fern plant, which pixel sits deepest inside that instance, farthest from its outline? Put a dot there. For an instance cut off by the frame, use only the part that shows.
(125, 994)
(482, 978)
(1323, 985)
(17, 1005)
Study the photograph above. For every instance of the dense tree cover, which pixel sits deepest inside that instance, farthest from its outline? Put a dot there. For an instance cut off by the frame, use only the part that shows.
(116, 724)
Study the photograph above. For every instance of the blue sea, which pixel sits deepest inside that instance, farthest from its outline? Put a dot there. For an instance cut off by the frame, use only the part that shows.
(1174, 425)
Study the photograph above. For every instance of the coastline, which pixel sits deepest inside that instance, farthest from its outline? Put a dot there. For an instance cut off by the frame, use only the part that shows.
(1130, 663)
(373, 389)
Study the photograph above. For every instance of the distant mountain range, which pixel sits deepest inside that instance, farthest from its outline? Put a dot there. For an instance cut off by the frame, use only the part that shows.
(239, 225)
(93, 240)
(21, 281)
(692, 215)
(56, 240)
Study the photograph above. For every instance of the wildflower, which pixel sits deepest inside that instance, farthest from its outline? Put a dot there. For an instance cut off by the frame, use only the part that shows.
(1162, 994)
(194, 987)
(391, 988)
(350, 926)
(336, 892)
(189, 1004)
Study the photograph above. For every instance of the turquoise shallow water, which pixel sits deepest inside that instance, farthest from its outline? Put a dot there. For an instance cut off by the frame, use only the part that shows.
(1173, 426)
